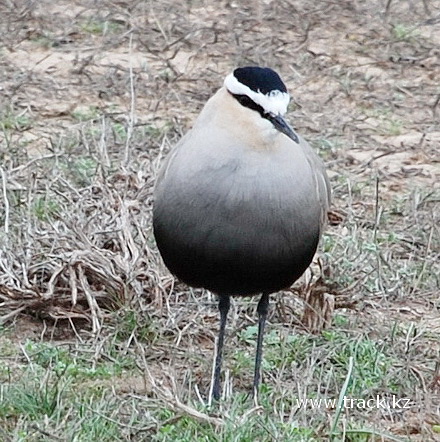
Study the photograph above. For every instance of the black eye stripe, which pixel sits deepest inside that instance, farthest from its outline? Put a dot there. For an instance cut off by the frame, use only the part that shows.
(245, 101)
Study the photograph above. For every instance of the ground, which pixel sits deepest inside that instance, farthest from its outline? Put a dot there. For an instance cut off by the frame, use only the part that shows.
(98, 341)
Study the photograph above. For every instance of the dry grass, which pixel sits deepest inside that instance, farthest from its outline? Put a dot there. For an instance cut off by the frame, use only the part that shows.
(92, 99)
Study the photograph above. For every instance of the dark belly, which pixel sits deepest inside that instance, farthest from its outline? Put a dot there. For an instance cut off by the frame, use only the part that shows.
(236, 253)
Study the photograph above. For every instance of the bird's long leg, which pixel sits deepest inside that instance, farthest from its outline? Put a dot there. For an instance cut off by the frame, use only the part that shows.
(223, 306)
(262, 309)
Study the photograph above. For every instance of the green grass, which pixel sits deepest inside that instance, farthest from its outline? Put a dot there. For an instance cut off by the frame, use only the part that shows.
(100, 27)
(131, 322)
(76, 390)
(404, 32)
(11, 120)
(45, 208)
(86, 113)
(82, 169)
(46, 41)
(62, 389)
(254, 427)
(385, 121)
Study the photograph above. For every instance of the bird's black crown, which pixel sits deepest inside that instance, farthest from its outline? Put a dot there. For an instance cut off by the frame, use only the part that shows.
(264, 80)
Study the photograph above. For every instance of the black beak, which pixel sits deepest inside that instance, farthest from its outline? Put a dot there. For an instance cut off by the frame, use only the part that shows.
(280, 124)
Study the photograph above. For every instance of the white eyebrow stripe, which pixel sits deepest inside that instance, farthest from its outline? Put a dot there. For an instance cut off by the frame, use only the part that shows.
(275, 102)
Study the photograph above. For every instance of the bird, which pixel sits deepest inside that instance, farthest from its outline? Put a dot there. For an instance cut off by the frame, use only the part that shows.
(241, 201)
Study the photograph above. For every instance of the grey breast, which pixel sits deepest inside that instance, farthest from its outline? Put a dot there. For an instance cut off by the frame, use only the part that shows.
(236, 220)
